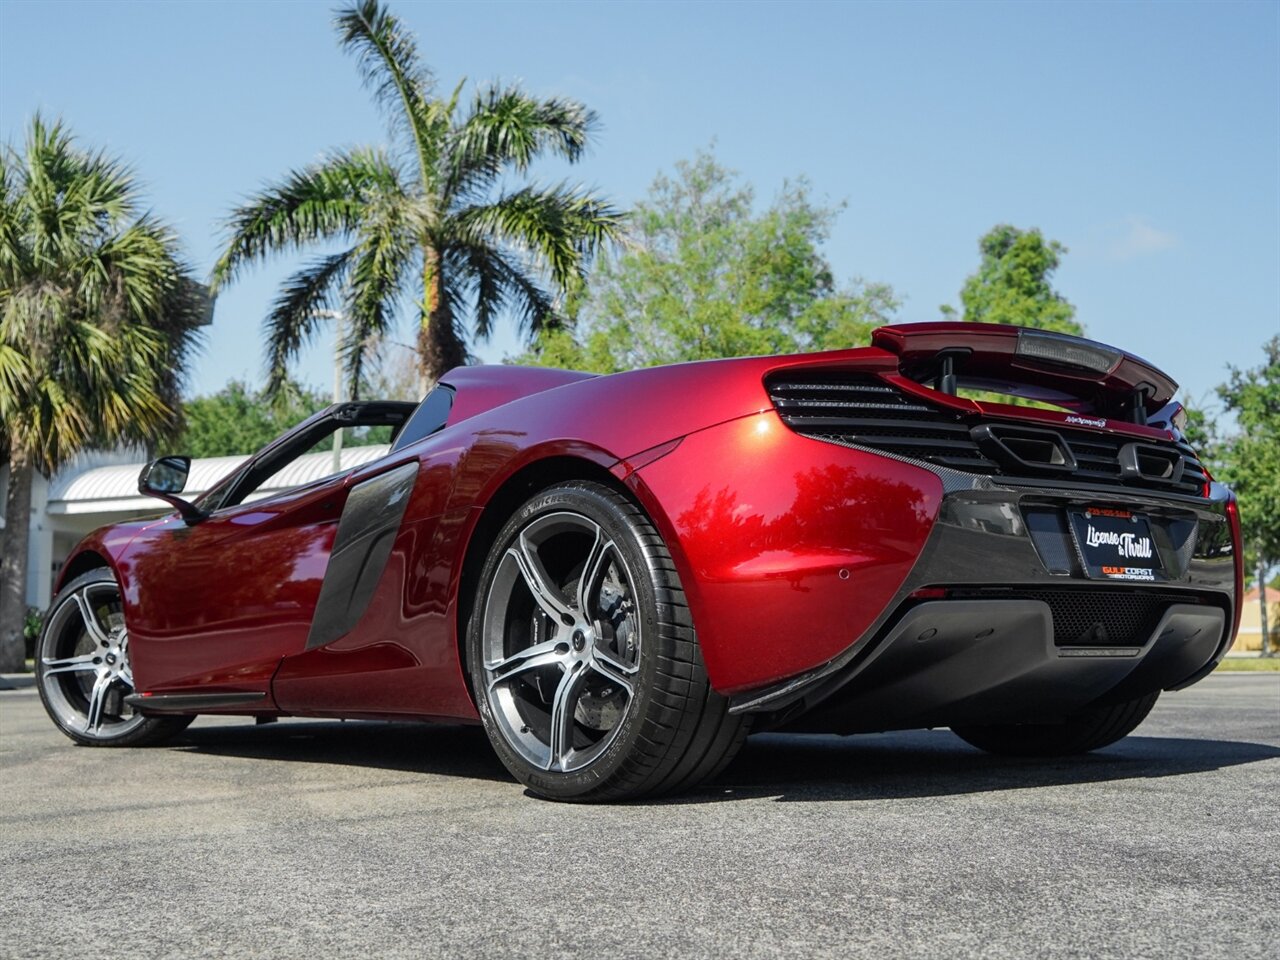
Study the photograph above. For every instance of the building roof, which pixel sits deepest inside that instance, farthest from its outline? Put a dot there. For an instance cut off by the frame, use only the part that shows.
(114, 489)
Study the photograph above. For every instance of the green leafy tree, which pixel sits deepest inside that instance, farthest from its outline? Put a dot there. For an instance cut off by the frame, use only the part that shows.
(393, 373)
(1013, 283)
(1250, 462)
(704, 276)
(451, 225)
(239, 420)
(1201, 430)
(98, 315)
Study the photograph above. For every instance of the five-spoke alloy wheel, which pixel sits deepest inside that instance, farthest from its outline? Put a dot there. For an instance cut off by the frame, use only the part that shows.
(583, 658)
(83, 671)
(559, 675)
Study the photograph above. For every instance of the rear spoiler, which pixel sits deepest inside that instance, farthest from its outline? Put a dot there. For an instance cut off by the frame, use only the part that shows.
(1035, 364)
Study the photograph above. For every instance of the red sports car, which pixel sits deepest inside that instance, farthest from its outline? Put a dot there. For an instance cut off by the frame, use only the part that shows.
(994, 529)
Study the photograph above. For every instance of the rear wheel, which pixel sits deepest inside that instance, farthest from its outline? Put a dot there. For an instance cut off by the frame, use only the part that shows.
(83, 670)
(583, 657)
(1079, 734)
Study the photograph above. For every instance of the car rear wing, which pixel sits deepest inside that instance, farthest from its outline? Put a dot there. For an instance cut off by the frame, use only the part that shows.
(1056, 368)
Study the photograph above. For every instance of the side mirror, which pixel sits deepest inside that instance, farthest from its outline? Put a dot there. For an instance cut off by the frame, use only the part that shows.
(164, 479)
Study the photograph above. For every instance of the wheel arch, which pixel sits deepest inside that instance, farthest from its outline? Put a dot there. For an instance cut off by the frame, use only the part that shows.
(525, 482)
(81, 563)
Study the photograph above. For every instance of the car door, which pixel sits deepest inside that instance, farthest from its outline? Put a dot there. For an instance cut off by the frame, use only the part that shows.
(216, 605)
(382, 642)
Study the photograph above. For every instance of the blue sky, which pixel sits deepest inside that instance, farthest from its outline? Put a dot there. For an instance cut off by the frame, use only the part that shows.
(1145, 137)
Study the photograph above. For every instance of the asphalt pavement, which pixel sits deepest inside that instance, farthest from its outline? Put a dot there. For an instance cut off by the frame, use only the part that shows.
(314, 839)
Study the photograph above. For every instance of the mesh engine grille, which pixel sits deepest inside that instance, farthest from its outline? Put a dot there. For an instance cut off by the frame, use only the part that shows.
(1096, 617)
(860, 410)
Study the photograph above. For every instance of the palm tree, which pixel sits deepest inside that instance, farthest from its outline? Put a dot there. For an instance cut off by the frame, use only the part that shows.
(97, 318)
(432, 221)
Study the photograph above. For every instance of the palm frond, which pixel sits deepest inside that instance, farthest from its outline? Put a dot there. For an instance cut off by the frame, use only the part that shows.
(130, 401)
(387, 55)
(129, 273)
(508, 128)
(104, 189)
(322, 202)
(103, 390)
(15, 377)
(12, 250)
(182, 319)
(378, 272)
(495, 284)
(560, 227)
(69, 194)
(471, 275)
(295, 314)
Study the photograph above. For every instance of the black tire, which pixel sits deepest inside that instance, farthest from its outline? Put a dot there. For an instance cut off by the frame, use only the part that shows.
(69, 652)
(1087, 731)
(674, 730)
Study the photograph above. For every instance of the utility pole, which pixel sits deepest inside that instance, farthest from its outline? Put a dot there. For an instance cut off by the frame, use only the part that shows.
(338, 391)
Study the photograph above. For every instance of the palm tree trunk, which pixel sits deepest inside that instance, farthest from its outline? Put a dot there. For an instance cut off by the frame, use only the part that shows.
(439, 347)
(13, 560)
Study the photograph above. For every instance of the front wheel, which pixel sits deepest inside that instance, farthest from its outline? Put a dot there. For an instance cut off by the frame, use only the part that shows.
(83, 670)
(583, 657)
(1087, 731)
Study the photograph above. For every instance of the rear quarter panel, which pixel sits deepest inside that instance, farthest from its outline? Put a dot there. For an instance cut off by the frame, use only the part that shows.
(789, 548)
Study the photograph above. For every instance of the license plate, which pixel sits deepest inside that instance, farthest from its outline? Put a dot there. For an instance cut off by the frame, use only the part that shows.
(1116, 545)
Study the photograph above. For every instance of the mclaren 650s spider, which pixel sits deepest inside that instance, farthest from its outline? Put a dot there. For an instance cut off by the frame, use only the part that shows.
(993, 529)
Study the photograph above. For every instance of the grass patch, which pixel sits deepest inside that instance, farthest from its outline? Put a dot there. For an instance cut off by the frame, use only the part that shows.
(1249, 664)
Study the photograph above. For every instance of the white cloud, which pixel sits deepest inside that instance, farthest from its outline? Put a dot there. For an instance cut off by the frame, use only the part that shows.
(1137, 237)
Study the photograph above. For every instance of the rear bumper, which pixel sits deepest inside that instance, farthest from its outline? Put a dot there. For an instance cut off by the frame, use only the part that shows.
(950, 662)
(1002, 553)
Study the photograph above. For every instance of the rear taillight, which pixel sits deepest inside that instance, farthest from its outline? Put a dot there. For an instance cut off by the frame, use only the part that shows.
(1207, 487)
(1237, 550)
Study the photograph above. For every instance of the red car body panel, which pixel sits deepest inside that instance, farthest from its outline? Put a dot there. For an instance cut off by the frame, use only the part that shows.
(217, 605)
(401, 659)
(796, 534)
(790, 548)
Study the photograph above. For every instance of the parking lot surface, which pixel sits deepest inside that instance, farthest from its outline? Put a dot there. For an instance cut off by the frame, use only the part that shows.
(315, 839)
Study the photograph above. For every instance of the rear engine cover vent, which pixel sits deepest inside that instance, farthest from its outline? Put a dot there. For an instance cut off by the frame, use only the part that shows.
(860, 410)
